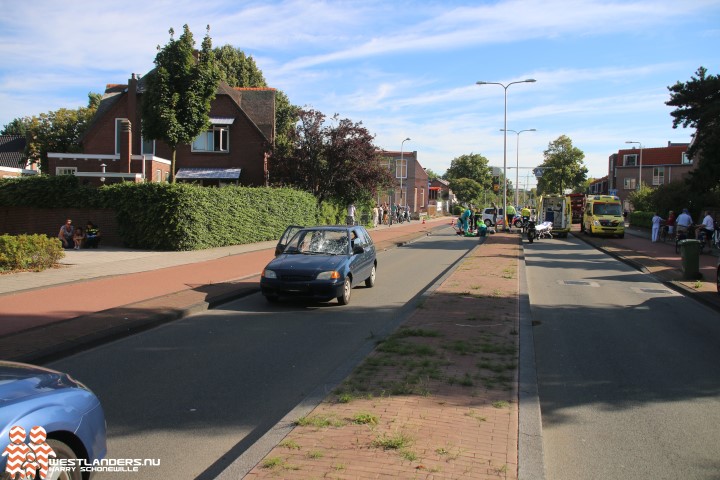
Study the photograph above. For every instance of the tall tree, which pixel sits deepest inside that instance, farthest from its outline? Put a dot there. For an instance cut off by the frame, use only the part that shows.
(337, 161)
(55, 131)
(473, 166)
(563, 167)
(176, 102)
(697, 105)
(240, 70)
(466, 189)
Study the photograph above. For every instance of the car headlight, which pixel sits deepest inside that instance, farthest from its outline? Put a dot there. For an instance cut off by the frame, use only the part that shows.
(269, 273)
(331, 275)
(596, 223)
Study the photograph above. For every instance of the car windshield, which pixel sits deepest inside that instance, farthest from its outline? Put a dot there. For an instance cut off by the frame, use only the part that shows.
(319, 242)
(606, 209)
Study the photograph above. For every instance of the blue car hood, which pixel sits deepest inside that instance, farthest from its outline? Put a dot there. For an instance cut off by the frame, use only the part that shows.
(20, 382)
(303, 262)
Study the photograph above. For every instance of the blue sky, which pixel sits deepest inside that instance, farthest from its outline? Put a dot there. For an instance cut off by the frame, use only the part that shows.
(402, 68)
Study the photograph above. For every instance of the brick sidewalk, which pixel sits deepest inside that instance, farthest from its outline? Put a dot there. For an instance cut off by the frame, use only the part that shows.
(435, 400)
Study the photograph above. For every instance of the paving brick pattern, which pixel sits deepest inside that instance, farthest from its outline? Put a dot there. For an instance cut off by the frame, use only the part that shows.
(436, 400)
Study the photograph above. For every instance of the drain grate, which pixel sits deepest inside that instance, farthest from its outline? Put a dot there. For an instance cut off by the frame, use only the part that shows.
(578, 283)
(655, 291)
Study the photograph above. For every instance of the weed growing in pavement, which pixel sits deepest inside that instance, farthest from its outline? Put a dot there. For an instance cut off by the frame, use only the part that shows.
(416, 332)
(289, 444)
(496, 367)
(315, 454)
(319, 421)
(408, 455)
(277, 462)
(365, 419)
(394, 345)
(397, 441)
(698, 284)
(500, 404)
(476, 416)
(465, 381)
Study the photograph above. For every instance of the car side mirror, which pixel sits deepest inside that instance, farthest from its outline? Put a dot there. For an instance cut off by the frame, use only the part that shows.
(358, 250)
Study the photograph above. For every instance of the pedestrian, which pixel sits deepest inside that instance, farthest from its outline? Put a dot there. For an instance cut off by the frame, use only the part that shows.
(78, 238)
(92, 235)
(351, 214)
(66, 234)
(381, 212)
(494, 212)
(656, 220)
(670, 222)
(376, 215)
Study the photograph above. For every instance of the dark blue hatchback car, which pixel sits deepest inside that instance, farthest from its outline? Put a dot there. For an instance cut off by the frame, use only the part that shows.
(321, 263)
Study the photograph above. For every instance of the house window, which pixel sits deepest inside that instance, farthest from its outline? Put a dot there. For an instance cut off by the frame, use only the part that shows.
(422, 197)
(158, 176)
(214, 139)
(630, 160)
(118, 134)
(658, 175)
(685, 159)
(147, 147)
(630, 183)
(401, 168)
(65, 170)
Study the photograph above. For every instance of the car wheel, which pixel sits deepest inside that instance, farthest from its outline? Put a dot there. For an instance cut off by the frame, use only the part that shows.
(63, 452)
(344, 299)
(370, 281)
(488, 223)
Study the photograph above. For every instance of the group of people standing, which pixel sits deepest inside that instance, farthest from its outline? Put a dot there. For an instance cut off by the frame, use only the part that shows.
(384, 214)
(683, 223)
(76, 238)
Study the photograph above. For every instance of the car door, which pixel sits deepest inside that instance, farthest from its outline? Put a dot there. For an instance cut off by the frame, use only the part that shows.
(360, 265)
(285, 238)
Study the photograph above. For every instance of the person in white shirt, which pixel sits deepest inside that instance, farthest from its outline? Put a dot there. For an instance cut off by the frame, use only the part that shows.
(708, 225)
(655, 227)
(351, 214)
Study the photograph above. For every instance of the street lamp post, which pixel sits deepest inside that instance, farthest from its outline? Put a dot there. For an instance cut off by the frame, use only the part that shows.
(517, 159)
(505, 87)
(401, 167)
(640, 168)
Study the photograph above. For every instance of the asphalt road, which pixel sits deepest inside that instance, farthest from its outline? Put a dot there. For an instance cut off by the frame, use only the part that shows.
(196, 393)
(627, 369)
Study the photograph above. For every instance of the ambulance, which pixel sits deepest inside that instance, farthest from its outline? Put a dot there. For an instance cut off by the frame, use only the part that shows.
(555, 209)
(603, 215)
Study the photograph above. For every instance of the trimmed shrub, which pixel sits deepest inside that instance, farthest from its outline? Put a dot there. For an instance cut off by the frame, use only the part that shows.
(29, 252)
(180, 216)
(641, 219)
(43, 191)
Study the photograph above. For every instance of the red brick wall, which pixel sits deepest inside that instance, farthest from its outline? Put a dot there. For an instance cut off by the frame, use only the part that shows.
(28, 220)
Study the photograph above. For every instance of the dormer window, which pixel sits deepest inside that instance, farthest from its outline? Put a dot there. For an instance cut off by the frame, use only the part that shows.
(216, 138)
(630, 160)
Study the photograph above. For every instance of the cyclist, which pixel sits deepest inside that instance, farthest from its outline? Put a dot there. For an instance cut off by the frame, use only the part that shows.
(684, 222)
(707, 225)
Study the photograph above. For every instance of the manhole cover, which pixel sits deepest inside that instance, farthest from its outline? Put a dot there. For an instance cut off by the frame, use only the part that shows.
(578, 283)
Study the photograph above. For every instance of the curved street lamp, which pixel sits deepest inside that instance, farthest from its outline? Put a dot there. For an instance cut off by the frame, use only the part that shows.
(529, 80)
(401, 167)
(517, 158)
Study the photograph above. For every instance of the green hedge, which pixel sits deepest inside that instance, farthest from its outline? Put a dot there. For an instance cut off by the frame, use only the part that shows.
(641, 219)
(41, 191)
(188, 217)
(29, 252)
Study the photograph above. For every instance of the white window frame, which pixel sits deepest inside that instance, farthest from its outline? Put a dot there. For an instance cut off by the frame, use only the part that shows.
(65, 170)
(626, 160)
(223, 132)
(630, 183)
(158, 176)
(400, 168)
(142, 147)
(118, 131)
(658, 176)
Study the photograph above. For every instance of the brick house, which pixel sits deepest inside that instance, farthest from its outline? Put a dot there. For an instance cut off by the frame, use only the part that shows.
(654, 166)
(233, 150)
(440, 196)
(411, 187)
(12, 157)
(598, 186)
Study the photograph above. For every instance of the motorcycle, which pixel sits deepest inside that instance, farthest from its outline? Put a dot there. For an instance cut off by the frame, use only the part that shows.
(530, 231)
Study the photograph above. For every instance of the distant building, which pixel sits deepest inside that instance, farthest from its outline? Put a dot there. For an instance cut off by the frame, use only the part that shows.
(411, 181)
(653, 166)
(12, 157)
(598, 186)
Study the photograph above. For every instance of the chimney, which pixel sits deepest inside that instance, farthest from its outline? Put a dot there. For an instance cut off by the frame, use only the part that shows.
(132, 98)
(126, 143)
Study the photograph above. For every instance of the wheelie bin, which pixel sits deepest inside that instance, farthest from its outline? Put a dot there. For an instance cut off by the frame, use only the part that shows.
(690, 256)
